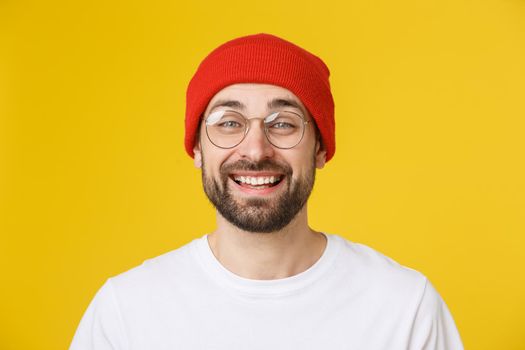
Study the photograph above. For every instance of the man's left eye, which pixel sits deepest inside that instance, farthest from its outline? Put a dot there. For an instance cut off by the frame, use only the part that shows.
(282, 125)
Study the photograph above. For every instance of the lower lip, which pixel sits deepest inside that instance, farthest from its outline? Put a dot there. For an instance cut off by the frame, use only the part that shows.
(262, 191)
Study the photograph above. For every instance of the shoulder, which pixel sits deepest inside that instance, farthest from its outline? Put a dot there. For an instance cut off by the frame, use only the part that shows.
(404, 292)
(131, 295)
(372, 261)
(157, 271)
(377, 272)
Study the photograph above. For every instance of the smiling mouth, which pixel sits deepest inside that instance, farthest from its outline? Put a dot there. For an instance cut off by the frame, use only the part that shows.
(257, 182)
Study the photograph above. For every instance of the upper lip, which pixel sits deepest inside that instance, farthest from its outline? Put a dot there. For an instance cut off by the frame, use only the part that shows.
(256, 173)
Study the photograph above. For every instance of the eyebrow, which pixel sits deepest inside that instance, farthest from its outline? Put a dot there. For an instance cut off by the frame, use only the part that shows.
(228, 103)
(284, 102)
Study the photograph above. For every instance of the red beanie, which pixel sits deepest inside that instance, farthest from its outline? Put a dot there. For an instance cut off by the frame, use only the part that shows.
(265, 59)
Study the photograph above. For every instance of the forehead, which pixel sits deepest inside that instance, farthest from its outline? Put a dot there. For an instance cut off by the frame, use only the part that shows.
(254, 95)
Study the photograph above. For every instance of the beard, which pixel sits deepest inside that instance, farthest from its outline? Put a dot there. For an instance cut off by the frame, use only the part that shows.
(259, 215)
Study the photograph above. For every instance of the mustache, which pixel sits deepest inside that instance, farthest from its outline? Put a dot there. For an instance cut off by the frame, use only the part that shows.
(263, 165)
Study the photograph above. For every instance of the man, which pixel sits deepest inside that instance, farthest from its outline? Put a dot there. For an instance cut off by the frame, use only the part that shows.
(259, 121)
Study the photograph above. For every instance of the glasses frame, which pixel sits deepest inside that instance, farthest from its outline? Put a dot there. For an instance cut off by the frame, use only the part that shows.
(248, 125)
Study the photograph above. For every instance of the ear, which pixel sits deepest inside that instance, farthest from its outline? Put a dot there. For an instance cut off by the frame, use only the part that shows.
(320, 154)
(197, 154)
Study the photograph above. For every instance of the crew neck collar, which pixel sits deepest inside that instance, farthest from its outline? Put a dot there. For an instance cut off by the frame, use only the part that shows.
(265, 288)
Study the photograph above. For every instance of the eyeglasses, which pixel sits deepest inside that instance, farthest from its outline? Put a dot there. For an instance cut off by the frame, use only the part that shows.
(227, 129)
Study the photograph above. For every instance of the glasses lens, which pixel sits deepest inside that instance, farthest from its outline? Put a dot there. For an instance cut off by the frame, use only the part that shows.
(284, 129)
(225, 128)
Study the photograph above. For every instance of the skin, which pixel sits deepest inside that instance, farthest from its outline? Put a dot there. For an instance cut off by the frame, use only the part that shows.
(263, 256)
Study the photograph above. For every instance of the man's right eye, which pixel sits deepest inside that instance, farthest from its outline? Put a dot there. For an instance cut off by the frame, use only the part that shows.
(229, 124)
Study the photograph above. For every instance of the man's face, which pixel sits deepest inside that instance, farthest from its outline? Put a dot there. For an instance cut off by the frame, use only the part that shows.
(232, 177)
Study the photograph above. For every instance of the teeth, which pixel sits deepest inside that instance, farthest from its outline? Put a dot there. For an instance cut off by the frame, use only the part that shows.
(257, 180)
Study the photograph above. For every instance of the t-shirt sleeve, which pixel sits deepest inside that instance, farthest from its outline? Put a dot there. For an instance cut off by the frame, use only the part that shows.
(434, 327)
(101, 327)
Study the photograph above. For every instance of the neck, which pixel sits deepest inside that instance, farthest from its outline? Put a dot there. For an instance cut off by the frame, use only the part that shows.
(265, 256)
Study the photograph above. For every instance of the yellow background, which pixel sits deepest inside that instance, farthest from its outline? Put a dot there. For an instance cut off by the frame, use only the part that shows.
(429, 167)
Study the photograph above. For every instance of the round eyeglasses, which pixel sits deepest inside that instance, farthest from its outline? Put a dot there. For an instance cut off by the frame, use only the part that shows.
(227, 129)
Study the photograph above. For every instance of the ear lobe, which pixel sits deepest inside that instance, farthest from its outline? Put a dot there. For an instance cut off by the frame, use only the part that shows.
(197, 155)
(320, 159)
(320, 155)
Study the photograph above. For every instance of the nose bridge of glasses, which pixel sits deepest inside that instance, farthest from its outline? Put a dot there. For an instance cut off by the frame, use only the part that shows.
(261, 121)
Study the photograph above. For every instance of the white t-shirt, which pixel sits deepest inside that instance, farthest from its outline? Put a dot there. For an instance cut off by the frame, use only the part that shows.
(352, 298)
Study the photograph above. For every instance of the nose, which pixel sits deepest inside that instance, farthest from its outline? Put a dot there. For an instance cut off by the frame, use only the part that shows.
(255, 145)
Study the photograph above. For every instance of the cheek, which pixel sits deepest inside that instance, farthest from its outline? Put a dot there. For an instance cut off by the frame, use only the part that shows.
(302, 156)
(212, 160)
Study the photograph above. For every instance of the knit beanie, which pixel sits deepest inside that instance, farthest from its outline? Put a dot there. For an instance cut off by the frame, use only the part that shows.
(264, 59)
